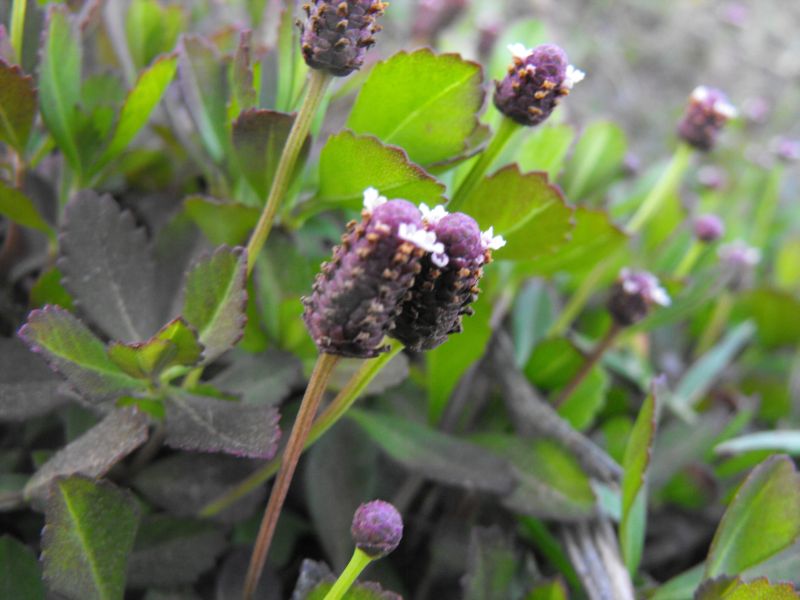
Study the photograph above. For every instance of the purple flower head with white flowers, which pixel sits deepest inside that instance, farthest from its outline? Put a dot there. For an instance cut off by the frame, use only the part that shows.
(633, 294)
(706, 114)
(536, 81)
(739, 261)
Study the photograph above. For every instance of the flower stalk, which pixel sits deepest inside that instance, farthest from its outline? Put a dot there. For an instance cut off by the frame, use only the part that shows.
(18, 27)
(358, 562)
(597, 353)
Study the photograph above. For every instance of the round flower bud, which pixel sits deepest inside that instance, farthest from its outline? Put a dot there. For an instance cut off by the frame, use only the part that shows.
(337, 33)
(706, 114)
(708, 228)
(443, 291)
(535, 83)
(377, 528)
(632, 296)
(357, 294)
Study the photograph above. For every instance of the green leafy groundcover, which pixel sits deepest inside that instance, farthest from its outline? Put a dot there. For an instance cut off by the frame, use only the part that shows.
(151, 369)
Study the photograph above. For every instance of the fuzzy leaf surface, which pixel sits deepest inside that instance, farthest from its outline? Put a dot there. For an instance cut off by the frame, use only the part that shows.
(108, 267)
(351, 163)
(27, 386)
(222, 223)
(20, 573)
(89, 532)
(210, 425)
(76, 353)
(426, 103)
(93, 453)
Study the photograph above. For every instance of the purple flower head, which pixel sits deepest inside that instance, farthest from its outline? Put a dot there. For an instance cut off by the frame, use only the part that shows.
(739, 260)
(337, 33)
(632, 296)
(786, 149)
(535, 83)
(377, 528)
(706, 114)
(708, 228)
(443, 292)
(357, 294)
(433, 16)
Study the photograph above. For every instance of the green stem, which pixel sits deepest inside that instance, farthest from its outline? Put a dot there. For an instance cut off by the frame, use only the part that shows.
(581, 296)
(716, 323)
(667, 184)
(317, 84)
(506, 129)
(767, 207)
(689, 259)
(327, 419)
(588, 364)
(18, 27)
(358, 562)
(294, 447)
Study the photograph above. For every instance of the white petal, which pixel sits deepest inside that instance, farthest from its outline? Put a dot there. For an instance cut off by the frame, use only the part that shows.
(660, 296)
(519, 51)
(700, 93)
(491, 241)
(726, 109)
(432, 216)
(573, 76)
(420, 238)
(372, 199)
(440, 259)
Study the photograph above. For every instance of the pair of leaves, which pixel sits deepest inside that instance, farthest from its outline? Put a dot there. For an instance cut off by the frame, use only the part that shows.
(60, 98)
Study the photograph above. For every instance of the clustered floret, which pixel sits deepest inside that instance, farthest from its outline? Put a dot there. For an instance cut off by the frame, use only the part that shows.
(632, 296)
(377, 528)
(337, 34)
(536, 81)
(706, 114)
(407, 272)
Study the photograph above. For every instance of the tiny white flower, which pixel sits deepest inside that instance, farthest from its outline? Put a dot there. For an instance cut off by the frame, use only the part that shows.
(440, 259)
(519, 51)
(726, 109)
(700, 93)
(573, 76)
(372, 199)
(738, 252)
(659, 296)
(432, 216)
(491, 241)
(420, 237)
(644, 283)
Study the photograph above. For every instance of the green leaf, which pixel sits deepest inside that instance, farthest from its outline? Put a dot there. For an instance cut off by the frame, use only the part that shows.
(17, 207)
(94, 452)
(75, 352)
(222, 223)
(762, 519)
(351, 163)
(698, 379)
(552, 484)
(552, 590)
(735, 589)
(20, 574)
(48, 290)
(60, 82)
(545, 149)
(215, 298)
(448, 363)
(28, 387)
(243, 94)
(152, 29)
(439, 456)
(259, 136)
(203, 80)
(291, 67)
(175, 344)
(681, 587)
(597, 159)
(787, 265)
(787, 442)
(526, 210)
(425, 103)
(17, 106)
(594, 235)
(491, 565)
(142, 99)
(769, 308)
(534, 311)
(88, 535)
(634, 480)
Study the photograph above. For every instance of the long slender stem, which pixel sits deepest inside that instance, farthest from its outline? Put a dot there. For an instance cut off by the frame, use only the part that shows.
(358, 562)
(689, 260)
(330, 416)
(767, 207)
(716, 323)
(18, 27)
(591, 360)
(667, 183)
(506, 129)
(581, 296)
(317, 84)
(294, 447)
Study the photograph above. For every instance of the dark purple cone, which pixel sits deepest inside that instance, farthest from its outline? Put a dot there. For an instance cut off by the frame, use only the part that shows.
(632, 296)
(356, 296)
(336, 35)
(534, 85)
(708, 228)
(441, 295)
(377, 528)
(706, 114)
